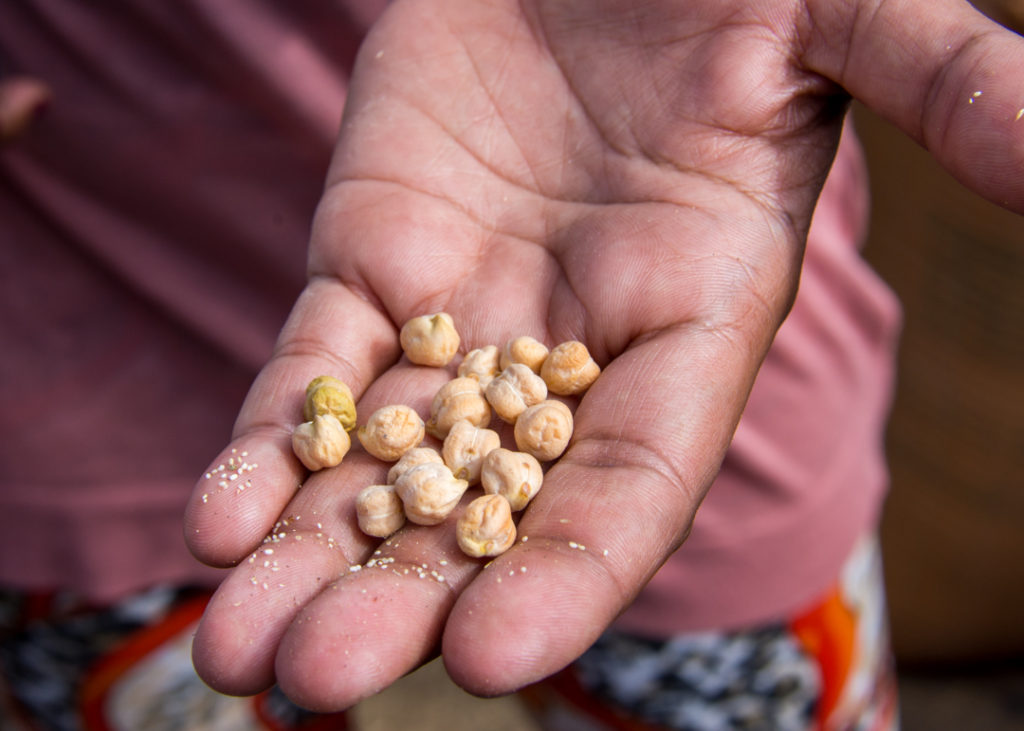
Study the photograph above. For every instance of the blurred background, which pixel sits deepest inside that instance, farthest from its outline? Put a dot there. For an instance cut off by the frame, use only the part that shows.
(953, 531)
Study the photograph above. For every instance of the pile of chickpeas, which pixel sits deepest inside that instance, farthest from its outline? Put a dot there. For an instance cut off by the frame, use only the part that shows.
(425, 485)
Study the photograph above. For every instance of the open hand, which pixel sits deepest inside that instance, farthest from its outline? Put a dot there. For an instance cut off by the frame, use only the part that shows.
(638, 176)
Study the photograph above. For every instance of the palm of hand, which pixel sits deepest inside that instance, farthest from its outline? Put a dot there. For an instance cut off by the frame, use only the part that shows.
(536, 149)
(642, 184)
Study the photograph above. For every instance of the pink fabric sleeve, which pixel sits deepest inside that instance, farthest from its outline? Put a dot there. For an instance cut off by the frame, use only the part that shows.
(153, 227)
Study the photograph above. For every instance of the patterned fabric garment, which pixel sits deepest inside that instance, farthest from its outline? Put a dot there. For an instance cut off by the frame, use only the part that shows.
(827, 669)
(67, 667)
(757, 679)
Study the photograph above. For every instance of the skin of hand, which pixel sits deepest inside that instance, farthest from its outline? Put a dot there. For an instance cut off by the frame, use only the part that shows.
(636, 175)
(22, 98)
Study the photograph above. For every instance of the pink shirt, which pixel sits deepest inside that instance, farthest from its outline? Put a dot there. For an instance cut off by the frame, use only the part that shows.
(153, 227)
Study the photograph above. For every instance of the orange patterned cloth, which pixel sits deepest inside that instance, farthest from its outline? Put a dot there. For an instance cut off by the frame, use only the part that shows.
(68, 666)
(828, 668)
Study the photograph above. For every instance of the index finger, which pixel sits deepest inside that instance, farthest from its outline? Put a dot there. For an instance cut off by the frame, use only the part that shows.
(331, 331)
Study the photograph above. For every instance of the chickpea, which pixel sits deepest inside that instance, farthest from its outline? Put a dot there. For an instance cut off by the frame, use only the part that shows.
(430, 340)
(321, 442)
(544, 430)
(412, 458)
(481, 364)
(460, 398)
(516, 476)
(526, 350)
(429, 493)
(391, 431)
(569, 370)
(465, 447)
(379, 510)
(486, 528)
(328, 395)
(516, 388)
